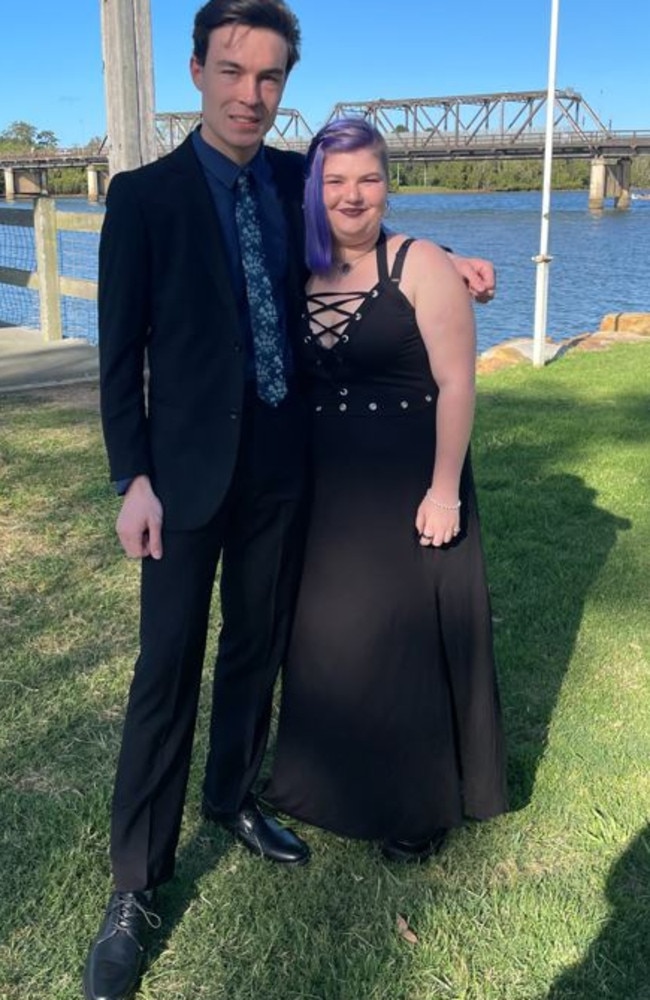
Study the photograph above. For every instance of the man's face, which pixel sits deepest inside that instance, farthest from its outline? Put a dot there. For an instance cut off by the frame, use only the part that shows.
(241, 85)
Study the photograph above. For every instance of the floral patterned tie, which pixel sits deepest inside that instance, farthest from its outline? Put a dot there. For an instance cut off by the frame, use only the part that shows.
(269, 364)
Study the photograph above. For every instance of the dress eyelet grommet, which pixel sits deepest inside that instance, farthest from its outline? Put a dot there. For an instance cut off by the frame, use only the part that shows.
(343, 407)
(372, 406)
(343, 391)
(428, 399)
(404, 405)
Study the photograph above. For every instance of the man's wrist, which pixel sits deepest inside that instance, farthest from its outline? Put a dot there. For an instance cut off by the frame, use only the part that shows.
(122, 485)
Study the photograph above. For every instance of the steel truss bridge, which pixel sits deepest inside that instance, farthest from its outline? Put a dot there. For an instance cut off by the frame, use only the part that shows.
(476, 126)
(479, 126)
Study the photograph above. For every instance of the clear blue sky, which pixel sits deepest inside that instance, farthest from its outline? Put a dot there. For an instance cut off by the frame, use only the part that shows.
(51, 70)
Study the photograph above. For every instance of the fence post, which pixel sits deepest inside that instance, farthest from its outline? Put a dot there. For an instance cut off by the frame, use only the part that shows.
(47, 264)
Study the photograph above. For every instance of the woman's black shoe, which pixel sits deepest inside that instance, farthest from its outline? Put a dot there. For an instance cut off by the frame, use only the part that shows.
(414, 850)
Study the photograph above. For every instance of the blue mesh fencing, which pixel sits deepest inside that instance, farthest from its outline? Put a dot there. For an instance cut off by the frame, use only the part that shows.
(77, 258)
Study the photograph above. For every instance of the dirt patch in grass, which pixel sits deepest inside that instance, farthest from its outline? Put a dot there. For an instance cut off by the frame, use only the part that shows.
(80, 395)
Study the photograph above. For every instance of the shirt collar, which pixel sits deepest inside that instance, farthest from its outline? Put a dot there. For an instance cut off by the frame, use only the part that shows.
(225, 170)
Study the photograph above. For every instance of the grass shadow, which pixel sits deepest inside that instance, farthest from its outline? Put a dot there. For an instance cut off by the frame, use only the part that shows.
(616, 964)
(547, 541)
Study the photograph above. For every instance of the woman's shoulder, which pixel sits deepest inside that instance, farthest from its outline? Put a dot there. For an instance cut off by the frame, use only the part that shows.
(424, 250)
(421, 255)
(417, 247)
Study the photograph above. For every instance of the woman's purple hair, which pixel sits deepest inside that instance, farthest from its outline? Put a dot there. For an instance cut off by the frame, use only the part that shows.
(344, 135)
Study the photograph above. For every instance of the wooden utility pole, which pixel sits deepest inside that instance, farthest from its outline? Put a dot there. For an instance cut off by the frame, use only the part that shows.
(128, 83)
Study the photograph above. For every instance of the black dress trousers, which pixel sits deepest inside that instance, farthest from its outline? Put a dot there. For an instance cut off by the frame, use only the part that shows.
(258, 532)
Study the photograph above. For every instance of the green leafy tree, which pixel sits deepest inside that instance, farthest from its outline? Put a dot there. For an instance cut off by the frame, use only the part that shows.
(22, 136)
(46, 140)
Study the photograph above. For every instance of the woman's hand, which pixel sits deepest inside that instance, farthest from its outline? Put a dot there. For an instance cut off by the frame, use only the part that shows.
(437, 525)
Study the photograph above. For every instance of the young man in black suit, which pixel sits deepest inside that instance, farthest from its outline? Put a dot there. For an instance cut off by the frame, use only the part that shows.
(208, 468)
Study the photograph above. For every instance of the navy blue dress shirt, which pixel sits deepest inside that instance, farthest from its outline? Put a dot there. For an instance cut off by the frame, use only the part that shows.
(221, 175)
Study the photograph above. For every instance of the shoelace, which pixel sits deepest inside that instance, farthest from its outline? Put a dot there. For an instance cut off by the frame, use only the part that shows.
(124, 910)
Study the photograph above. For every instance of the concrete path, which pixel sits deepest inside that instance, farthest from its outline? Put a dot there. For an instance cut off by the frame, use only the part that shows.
(29, 362)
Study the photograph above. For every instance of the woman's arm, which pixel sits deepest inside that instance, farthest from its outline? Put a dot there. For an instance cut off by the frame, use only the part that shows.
(446, 322)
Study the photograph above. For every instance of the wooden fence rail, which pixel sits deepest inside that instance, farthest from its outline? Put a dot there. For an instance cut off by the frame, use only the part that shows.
(46, 221)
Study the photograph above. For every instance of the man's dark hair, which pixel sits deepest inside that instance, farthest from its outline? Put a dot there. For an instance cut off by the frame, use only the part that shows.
(271, 14)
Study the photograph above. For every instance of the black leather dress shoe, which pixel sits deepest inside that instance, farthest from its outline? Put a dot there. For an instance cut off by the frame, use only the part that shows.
(261, 835)
(414, 850)
(115, 957)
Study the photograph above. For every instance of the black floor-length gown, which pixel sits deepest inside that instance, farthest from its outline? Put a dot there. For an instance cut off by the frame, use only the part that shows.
(390, 722)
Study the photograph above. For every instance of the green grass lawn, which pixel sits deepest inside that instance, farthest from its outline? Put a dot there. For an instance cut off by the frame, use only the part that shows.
(551, 902)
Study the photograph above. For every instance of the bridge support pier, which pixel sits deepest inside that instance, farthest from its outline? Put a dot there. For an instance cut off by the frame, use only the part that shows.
(23, 180)
(10, 184)
(97, 181)
(610, 179)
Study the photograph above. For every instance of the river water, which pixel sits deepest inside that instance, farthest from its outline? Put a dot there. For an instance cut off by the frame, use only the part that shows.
(601, 261)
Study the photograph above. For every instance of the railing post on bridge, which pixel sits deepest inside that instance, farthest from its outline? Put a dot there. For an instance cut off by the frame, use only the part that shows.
(47, 263)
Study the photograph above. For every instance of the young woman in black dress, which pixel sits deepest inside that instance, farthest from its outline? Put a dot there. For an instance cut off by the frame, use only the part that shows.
(390, 724)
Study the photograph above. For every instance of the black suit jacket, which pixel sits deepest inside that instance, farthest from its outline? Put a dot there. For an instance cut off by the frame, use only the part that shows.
(165, 295)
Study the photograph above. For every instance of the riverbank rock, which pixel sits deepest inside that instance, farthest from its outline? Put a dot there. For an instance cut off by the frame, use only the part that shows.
(615, 328)
(504, 355)
(626, 323)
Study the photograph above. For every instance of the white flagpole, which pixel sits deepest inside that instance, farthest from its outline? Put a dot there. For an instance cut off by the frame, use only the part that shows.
(542, 259)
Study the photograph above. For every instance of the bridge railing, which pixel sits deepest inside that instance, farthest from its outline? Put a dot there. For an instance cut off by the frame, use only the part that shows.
(420, 140)
(48, 269)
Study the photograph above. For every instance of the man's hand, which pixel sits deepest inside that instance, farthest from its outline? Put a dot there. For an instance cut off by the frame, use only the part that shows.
(139, 523)
(479, 276)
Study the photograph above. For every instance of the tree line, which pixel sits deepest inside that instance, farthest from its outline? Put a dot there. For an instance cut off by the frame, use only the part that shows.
(455, 175)
(22, 137)
(503, 175)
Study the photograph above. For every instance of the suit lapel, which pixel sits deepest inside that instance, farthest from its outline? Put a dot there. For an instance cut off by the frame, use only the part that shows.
(209, 245)
(288, 178)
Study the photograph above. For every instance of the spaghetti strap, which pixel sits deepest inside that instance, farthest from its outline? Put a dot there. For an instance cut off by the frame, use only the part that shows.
(398, 263)
(382, 258)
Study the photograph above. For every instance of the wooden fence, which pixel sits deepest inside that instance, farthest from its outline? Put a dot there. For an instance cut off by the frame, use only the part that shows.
(46, 221)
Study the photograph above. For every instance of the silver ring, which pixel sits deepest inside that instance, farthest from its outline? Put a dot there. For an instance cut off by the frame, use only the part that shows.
(428, 538)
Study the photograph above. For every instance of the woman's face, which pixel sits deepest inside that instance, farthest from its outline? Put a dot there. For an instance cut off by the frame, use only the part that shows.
(355, 188)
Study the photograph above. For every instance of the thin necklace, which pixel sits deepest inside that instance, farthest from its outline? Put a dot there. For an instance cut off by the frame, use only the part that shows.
(345, 266)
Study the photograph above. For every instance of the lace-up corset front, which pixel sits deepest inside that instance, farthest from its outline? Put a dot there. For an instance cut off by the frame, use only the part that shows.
(362, 349)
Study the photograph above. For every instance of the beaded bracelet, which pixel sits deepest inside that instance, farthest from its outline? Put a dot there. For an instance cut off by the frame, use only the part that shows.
(442, 506)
